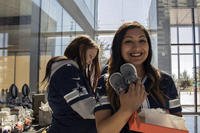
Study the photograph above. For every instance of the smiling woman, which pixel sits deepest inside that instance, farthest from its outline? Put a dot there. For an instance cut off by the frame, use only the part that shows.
(132, 44)
(135, 47)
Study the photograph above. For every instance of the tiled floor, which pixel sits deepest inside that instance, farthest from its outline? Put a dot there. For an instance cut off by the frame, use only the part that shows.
(192, 123)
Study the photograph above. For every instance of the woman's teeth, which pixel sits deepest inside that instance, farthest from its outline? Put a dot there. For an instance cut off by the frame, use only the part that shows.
(135, 54)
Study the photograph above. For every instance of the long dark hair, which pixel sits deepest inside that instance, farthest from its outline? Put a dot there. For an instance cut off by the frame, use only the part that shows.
(76, 51)
(116, 61)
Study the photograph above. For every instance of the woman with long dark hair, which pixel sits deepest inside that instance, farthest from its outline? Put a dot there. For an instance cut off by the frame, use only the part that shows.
(153, 88)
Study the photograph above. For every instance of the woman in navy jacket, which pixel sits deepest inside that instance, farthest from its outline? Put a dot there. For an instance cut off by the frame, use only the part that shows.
(152, 89)
(71, 81)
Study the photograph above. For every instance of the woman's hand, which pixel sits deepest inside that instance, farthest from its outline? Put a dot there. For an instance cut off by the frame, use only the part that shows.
(132, 100)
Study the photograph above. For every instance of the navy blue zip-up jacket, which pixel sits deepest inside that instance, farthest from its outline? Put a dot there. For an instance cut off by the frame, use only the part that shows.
(166, 85)
(71, 100)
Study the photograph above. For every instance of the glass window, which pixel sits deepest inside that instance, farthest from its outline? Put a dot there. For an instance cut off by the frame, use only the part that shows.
(185, 35)
(186, 49)
(66, 41)
(52, 16)
(187, 95)
(22, 68)
(124, 12)
(90, 5)
(197, 49)
(44, 58)
(186, 64)
(67, 21)
(69, 24)
(37, 2)
(3, 40)
(3, 52)
(58, 50)
(6, 71)
(197, 30)
(174, 49)
(174, 65)
(63, 47)
(173, 33)
(14, 69)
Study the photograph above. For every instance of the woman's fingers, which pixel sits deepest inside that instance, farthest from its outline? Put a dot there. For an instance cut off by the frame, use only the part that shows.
(135, 90)
(138, 90)
(134, 97)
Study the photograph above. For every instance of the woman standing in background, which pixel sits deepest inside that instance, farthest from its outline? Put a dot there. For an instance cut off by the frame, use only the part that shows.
(71, 81)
